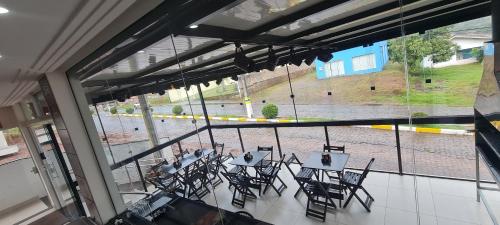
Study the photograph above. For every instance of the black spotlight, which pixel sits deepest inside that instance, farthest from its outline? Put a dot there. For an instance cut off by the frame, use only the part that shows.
(159, 90)
(188, 86)
(242, 61)
(120, 98)
(272, 59)
(324, 55)
(234, 77)
(218, 81)
(310, 57)
(294, 59)
(206, 83)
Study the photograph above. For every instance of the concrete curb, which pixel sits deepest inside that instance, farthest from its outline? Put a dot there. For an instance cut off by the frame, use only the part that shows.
(420, 129)
(243, 119)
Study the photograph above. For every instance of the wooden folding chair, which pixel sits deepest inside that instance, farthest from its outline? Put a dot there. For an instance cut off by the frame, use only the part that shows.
(353, 181)
(270, 174)
(335, 149)
(242, 185)
(266, 162)
(302, 176)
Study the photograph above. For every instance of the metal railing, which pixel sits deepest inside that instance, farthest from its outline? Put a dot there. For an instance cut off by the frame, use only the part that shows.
(396, 122)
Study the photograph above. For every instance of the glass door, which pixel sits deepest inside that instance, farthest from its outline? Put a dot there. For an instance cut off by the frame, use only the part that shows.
(59, 170)
(23, 194)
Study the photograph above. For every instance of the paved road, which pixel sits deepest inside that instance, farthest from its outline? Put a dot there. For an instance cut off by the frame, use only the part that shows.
(436, 154)
(338, 112)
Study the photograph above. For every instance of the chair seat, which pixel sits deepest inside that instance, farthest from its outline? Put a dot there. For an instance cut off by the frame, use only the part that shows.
(351, 178)
(235, 170)
(265, 163)
(305, 173)
(268, 171)
(333, 190)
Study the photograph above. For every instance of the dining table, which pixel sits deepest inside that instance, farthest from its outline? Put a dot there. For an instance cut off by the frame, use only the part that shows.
(186, 161)
(255, 161)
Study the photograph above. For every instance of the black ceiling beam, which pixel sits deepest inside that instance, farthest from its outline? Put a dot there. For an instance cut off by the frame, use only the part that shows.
(176, 19)
(380, 21)
(167, 77)
(190, 79)
(414, 27)
(233, 34)
(422, 23)
(239, 34)
(145, 21)
(395, 19)
(182, 57)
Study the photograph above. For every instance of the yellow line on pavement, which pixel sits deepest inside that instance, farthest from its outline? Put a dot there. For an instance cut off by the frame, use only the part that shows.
(428, 130)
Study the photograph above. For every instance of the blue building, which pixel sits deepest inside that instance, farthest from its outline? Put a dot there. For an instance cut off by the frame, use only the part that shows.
(358, 60)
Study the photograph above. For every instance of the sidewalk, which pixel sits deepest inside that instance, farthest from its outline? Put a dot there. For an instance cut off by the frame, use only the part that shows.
(244, 119)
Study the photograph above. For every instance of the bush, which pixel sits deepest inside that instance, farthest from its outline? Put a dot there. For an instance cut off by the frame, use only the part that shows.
(129, 110)
(177, 110)
(270, 111)
(419, 115)
(113, 110)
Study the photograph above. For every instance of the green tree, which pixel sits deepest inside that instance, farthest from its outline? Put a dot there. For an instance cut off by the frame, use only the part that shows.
(177, 110)
(478, 53)
(113, 110)
(435, 43)
(441, 46)
(270, 111)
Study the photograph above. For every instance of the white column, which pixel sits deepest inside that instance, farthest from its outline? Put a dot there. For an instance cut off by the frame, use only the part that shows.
(79, 126)
(248, 102)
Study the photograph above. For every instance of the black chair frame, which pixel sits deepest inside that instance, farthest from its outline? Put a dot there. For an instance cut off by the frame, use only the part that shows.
(353, 181)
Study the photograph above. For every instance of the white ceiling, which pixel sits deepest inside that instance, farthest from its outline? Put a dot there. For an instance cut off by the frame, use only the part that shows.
(41, 36)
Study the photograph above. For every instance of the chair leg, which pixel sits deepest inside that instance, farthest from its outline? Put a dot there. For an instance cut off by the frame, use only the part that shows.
(297, 192)
(352, 190)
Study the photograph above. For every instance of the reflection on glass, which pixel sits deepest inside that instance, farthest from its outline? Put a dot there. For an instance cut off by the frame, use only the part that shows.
(252, 13)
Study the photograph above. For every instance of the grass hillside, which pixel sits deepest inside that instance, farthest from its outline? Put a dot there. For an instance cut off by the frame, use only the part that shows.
(452, 86)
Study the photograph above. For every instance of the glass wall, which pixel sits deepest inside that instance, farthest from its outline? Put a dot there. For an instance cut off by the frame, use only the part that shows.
(445, 66)
(23, 192)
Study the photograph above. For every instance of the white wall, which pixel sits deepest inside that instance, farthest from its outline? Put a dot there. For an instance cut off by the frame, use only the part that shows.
(18, 184)
(463, 43)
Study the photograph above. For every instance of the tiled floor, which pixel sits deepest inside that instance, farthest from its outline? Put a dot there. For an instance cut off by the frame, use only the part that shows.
(23, 212)
(440, 202)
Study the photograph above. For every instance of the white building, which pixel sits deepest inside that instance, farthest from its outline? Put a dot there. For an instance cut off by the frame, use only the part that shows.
(466, 42)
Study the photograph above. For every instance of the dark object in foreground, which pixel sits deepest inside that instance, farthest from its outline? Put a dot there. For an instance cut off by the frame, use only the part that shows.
(180, 211)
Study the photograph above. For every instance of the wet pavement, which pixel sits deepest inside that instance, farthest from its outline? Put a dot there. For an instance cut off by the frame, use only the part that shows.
(432, 154)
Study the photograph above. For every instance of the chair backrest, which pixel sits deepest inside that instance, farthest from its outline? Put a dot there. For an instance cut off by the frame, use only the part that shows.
(288, 162)
(277, 166)
(219, 148)
(332, 148)
(266, 148)
(366, 170)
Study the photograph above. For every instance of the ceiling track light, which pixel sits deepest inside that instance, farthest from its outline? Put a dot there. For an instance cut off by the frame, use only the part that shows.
(188, 86)
(234, 77)
(324, 55)
(218, 81)
(159, 90)
(242, 61)
(206, 83)
(310, 57)
(272, 59)
(294, 59)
